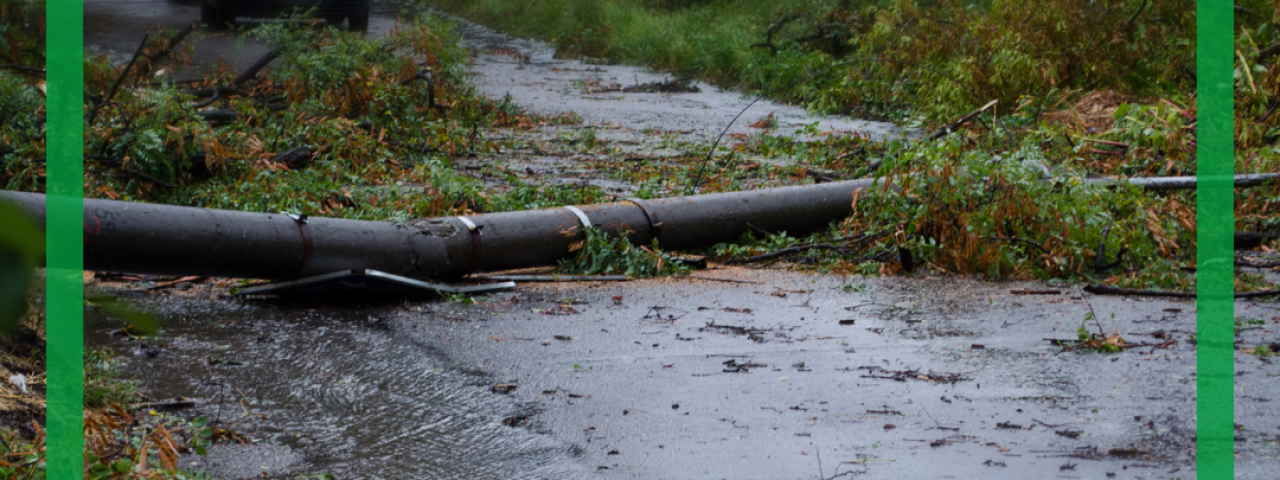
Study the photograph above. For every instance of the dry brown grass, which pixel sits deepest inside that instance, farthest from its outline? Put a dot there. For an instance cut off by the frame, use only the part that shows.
(1091, 114)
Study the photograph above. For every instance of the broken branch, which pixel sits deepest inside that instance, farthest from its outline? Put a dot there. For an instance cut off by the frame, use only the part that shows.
(961, 121)
(253, 70)
(22, 68)
(120, 78)
(1109, 290)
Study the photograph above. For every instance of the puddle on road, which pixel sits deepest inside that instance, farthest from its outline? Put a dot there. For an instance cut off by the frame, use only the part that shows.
(336, 387)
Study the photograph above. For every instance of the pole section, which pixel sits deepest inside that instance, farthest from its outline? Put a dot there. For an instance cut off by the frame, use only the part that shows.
(171, 240)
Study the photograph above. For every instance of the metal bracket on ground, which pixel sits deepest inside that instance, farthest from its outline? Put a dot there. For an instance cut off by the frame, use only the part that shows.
(364, 281)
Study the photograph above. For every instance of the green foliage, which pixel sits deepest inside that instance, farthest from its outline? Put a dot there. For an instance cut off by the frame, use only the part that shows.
(968, 211)
(136, 320)
(600, 254)
(937, 59)
(1262, 351)
(102, 387)
(1245, 323)
(21, 249)
(459, 298)
(1097, 342)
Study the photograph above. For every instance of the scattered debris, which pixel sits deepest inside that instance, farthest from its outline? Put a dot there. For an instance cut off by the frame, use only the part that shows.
(175, 404)
(560, 309)
(754, 334)
(515, 421)
(732, 366)
(904, 375)
(677, 85)
(885, 412)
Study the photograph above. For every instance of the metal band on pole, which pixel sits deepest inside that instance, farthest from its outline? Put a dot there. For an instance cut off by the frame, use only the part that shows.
(655, 225)
(476, 246)
(582, 216)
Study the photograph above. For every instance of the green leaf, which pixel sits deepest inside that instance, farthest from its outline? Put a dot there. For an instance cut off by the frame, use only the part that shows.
(21, 248)
(131, 315)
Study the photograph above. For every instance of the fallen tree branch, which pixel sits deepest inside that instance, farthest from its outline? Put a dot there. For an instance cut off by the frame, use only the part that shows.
(179, 403)
(1184, 183)
(768, 34)
(120, 78)
(1109, 290)
(214, 91)
(944, 131)
(427, 76)
(214, 98)
(173, 41)
(1246, 263)
(1268, 51)
(819, 177)
(785, 252)
(1248, 240)
(1102, 249)
(120, 165)
(22, 68)
(1020, 240)
(252, 71)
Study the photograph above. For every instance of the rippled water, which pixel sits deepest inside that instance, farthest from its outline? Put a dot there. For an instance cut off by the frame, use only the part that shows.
(351, 398)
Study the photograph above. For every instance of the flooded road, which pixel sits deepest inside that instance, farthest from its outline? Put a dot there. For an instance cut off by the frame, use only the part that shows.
(743, 373)
(753, 375)
(343, 391)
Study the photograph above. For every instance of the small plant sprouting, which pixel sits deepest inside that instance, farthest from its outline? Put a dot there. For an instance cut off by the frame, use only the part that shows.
(459, 297)
(850, 287)
(1099, 342)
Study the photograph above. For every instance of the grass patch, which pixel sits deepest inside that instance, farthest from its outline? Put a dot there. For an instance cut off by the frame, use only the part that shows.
(898, 58)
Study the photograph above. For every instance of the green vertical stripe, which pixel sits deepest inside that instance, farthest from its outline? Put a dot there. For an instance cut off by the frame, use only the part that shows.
(1214, 225)
(64, 307)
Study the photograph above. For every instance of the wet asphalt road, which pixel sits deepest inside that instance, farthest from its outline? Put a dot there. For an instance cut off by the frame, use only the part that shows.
(406, 390)
(933, 378)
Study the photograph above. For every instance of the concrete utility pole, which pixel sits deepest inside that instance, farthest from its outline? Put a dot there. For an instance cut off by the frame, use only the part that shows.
(170, 240)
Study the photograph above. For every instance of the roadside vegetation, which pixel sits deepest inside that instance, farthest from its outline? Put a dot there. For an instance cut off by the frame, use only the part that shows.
(349, 126)
(1081, 90)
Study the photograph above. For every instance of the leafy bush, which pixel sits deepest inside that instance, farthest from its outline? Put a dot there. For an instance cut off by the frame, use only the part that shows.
(600, 254)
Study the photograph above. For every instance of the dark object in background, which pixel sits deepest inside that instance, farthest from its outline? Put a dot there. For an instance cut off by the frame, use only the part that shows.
(220, 13)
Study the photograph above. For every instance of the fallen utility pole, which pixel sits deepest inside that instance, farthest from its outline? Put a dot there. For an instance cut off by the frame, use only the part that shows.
(145, 238)
(1186, 183)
